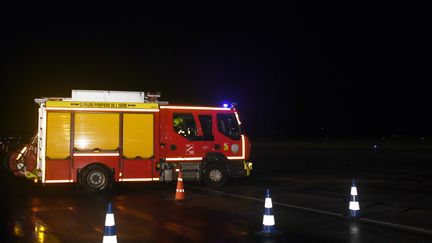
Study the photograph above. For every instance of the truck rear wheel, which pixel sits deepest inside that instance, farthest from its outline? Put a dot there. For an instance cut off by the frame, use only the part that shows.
(215, 175)
(96, 178)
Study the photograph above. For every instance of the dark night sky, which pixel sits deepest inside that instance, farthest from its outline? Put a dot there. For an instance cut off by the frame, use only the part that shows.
(354, 69)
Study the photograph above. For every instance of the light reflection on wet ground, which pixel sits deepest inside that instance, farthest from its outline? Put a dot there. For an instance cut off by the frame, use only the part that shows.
(148, 213)
(29, 228)
(144, 216)
(354, 232)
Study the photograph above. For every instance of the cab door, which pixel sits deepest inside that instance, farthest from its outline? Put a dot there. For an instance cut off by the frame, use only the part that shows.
(229, 135)
(189, 135)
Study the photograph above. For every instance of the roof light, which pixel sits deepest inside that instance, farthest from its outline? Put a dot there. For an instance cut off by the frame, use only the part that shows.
(225, 105)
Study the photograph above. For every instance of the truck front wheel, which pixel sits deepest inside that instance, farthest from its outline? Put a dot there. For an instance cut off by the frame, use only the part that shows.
(96, 178)
(215, 175)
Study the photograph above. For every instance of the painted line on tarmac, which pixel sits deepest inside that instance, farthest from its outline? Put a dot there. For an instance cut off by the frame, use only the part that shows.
(275, 203)
(397, 226)
(366, 220)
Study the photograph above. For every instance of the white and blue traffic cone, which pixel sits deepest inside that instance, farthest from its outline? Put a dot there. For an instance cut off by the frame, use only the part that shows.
(110, 235)
(354, 206)
(268, 228)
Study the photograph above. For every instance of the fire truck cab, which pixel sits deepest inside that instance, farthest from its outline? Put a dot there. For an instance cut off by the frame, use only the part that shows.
(96, 138)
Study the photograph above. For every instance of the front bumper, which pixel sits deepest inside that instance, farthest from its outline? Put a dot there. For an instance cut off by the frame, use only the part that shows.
(239, 168)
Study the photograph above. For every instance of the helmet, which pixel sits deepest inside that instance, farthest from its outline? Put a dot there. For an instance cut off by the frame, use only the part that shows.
(177, 121)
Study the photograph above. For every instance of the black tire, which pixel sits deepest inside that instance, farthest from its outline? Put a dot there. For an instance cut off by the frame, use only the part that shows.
(215, 175)
(96, 178)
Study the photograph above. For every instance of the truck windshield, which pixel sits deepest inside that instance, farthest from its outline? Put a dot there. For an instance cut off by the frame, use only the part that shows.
(228, 125)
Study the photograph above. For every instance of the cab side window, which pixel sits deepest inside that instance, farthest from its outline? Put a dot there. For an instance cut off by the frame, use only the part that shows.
(184, 125)
(206, 125)
(228, 125)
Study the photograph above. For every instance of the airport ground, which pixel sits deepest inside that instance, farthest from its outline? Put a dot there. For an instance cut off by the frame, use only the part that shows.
(309, 186)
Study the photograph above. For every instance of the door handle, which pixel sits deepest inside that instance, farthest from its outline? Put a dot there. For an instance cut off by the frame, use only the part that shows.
(173, 147)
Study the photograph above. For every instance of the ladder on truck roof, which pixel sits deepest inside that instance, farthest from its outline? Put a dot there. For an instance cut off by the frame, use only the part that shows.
(109, 96)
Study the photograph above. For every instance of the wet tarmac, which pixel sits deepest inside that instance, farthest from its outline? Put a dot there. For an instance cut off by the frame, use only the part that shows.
(309, 189)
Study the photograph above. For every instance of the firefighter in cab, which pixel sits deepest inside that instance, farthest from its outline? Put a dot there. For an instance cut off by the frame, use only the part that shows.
(179, 126)
(182, 128)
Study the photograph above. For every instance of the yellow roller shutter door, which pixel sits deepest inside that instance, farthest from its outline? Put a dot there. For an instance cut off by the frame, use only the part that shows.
(96, 130)
(58, 135)
(138, 135)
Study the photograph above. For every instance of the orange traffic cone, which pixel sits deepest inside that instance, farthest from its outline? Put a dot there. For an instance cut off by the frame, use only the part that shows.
(180, 193)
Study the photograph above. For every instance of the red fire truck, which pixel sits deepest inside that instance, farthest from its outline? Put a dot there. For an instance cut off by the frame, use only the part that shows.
(96, 138)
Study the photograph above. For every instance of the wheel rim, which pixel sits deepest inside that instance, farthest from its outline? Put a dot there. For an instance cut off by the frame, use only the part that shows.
(215, 175)
(96, 179)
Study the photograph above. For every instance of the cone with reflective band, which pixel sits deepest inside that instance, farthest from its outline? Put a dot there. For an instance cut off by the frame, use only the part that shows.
(110, 235)
(354, 206)
(268, 228)
(180, 193)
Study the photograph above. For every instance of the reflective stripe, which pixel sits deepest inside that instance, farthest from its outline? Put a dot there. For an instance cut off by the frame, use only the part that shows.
(109, 219)
(196, 108)
(58, 181)
(180, 179)
(180, 190)
(96, 154)
(98, 109)
(136, 179)
(42, 141)
(183, 159)
(268, 220)
(268, 203)
(235, 157)
(354, 205)
(237, 116)
(354, 191)
(139, 179)
(110, 239)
